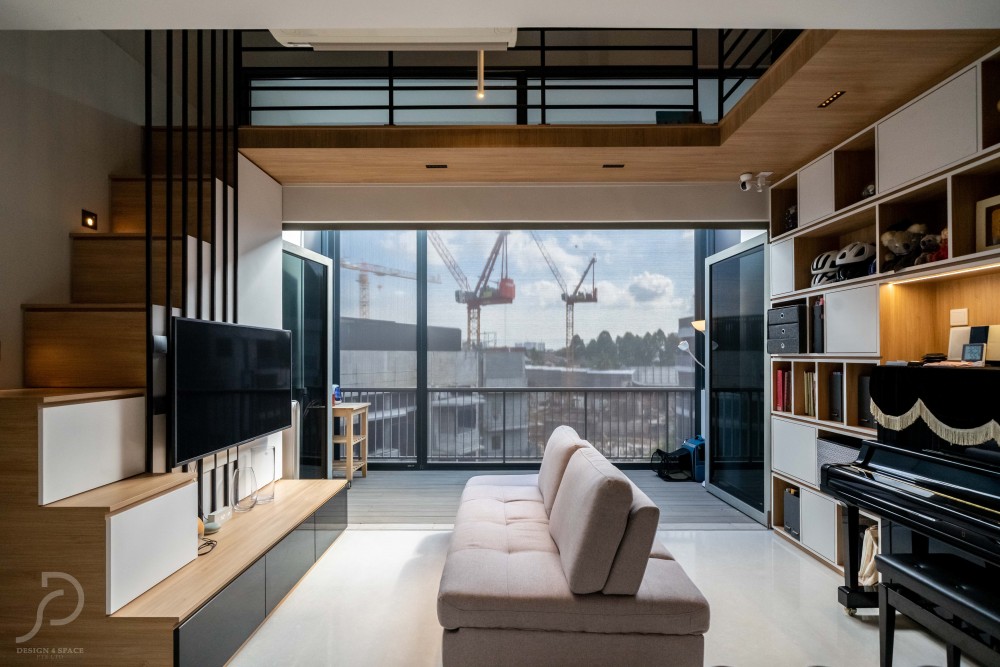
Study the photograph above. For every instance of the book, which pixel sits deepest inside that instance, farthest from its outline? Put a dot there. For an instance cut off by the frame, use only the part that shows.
(788, 391)
(779, 391)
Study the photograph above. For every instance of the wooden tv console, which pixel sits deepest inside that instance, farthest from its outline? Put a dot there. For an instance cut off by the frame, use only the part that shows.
(201, 614)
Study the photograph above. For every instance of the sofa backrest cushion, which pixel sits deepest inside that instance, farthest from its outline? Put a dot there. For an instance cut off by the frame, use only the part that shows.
(563, 442)
(588, 519)
(634, 551)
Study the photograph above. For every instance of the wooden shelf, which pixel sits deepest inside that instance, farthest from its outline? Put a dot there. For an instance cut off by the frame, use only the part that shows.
(341, 466)
(343, 439)
(114, 497)
(827, 425)
(242, 540)
(51, 396)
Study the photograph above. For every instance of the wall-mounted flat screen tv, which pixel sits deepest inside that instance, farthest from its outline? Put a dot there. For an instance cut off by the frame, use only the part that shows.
(231, 384)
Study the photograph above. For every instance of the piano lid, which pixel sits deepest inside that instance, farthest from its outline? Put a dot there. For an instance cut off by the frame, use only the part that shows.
(949, 412)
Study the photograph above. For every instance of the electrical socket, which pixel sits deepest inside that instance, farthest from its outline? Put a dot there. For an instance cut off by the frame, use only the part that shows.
(959, 317)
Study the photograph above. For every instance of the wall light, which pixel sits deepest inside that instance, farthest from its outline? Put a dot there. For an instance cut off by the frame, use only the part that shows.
(938, 276)
(683, 346)
(88, 219)
(698, 325)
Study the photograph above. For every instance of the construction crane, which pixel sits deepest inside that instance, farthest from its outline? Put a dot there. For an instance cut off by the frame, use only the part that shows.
(574, 297)
(365, 269)
(484, 293)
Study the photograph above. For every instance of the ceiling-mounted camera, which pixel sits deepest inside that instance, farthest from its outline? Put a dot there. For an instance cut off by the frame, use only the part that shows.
(748, 180)
(745, 179)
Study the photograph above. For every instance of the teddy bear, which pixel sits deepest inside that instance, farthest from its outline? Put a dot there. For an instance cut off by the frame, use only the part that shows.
(932, 246)
(903, 244)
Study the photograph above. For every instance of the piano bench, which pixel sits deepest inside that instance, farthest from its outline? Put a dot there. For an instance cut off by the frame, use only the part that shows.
(953, 598)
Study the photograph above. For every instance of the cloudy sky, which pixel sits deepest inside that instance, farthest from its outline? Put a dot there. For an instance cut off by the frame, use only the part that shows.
(645, 281)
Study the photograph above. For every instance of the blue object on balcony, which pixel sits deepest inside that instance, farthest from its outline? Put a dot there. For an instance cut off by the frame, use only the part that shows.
(696, 446)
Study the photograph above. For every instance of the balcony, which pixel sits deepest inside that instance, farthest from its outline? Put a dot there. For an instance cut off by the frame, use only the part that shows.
(511, 425)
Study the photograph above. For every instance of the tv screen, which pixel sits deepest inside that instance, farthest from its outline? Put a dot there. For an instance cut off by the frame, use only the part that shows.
(232, 384)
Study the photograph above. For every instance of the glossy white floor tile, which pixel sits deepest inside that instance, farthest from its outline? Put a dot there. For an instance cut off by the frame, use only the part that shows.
(371, 601)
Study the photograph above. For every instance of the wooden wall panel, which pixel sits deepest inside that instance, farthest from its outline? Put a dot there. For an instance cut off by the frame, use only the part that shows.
(111, 268)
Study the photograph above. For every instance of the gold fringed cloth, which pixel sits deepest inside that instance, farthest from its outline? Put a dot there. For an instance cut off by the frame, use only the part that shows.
(959, 405)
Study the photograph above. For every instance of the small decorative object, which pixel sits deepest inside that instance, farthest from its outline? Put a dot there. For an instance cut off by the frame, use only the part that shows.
(988, 224)
(243, 490)
(930, 248)
(869, 191)
(974, 353)
(791, 217)
(267, 493)
(903, 245)
(338, 396)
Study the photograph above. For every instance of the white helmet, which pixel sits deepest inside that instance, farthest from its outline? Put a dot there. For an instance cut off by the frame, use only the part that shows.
(825, 263)
(856, 253)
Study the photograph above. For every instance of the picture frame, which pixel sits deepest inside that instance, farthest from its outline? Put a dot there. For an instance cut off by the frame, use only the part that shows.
(988, 224)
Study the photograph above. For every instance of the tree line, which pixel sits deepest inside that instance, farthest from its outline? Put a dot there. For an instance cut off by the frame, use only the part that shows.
(607, 353)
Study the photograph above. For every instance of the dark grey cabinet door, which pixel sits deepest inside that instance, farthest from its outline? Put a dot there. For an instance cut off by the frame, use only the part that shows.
(287, 562)
(331, 521)
(214, 633)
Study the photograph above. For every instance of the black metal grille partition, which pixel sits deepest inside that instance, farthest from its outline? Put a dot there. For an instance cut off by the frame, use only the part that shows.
(553, 75)
(190, 139)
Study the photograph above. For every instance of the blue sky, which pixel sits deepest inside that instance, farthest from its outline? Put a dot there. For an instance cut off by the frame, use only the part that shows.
(645, 281)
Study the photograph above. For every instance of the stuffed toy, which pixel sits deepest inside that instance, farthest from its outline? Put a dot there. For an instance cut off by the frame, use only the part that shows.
(903, 245)
(942, 252)
(931, 246)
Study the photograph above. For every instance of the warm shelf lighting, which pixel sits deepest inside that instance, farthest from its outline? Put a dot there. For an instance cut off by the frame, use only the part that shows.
(88, 219)
(481, 75)
(830, 100)
(956, 272)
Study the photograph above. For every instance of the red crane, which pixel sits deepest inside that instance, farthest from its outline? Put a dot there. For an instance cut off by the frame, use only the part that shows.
(484, 293)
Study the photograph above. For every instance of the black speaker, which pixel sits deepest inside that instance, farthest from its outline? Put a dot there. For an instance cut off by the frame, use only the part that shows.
(836, 397)
(865, 417)
(817, 327)
(791, 508)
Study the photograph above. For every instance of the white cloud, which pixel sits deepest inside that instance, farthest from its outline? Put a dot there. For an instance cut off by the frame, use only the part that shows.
(654, 288)
(589, 242)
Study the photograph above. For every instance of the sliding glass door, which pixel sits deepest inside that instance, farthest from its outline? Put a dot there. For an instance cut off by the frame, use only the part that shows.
(307, 305)
(738, 458)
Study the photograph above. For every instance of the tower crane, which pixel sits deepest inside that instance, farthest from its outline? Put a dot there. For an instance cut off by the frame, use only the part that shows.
(484, 293)
(574, 297)
(365, 269)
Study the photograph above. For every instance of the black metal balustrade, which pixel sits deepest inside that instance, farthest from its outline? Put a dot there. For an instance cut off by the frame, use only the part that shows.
(594, 75)
(511, 425)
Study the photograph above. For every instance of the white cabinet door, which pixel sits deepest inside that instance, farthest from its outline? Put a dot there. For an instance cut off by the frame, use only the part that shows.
(818, 518)
(782, 267)
(793, 449)
(816, 190)
(930, 133)
(851, 319)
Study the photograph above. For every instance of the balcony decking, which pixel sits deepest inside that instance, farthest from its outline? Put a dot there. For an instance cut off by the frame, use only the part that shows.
(429, 498)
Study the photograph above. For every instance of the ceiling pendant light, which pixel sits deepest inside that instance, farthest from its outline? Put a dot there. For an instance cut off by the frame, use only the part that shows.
(481, 76)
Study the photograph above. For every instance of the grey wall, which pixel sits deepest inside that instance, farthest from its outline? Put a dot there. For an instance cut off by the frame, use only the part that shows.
(683, 203)
(71, 105)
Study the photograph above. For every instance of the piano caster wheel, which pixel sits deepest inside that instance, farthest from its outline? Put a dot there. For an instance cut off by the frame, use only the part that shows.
(851, 611)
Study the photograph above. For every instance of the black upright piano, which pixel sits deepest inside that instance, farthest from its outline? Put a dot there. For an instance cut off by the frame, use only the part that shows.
(933, 476)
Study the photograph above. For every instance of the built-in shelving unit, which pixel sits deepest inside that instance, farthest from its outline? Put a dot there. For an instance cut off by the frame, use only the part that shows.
(930, 163)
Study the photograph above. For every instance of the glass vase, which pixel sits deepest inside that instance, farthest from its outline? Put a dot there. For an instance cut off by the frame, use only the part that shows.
(267, 493)
(243, 490)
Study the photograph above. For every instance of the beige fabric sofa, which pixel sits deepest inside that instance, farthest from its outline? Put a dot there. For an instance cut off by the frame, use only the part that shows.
(563, 568)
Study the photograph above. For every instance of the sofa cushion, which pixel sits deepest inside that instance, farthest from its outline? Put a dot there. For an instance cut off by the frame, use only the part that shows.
(505, 494)
(485, 588)
(634, 550)
(588, 519)
(503, 480)
(563, 442)
(519, 537)
(660, 551)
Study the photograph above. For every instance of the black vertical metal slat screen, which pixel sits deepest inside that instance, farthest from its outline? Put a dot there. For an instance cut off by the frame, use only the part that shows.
(161, 46)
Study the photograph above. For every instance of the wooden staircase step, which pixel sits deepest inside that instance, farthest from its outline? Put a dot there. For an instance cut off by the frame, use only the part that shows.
(85, 345)
(120, 495)
(111, 268)
(127, 204)
(159, 155)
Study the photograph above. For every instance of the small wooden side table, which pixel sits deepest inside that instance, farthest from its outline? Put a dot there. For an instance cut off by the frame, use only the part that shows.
(355, 432)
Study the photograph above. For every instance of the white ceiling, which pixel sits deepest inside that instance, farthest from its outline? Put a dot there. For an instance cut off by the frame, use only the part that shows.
(138, 14)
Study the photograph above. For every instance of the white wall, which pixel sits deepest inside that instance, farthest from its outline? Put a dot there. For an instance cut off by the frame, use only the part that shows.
(682, 203)
(260, 247)
(70, 112)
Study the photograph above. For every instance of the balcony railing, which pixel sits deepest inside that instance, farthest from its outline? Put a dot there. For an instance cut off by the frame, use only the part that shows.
(511, 425)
